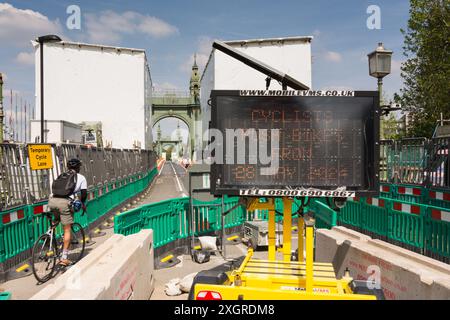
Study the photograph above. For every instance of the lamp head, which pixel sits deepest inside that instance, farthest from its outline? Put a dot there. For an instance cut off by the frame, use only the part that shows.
(380, 62)
(48, 38)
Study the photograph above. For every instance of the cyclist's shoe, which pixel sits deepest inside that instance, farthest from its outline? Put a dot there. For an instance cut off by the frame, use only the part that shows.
(65, 262)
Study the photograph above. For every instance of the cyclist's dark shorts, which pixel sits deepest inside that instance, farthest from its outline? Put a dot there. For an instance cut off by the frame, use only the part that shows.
(60, 207)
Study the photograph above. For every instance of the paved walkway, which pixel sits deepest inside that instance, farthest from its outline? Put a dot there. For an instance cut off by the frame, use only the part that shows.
(167, 185)
(187, 266)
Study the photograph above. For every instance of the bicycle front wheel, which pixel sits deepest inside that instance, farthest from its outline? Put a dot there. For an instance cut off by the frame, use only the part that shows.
(44, 255)
(77, 243)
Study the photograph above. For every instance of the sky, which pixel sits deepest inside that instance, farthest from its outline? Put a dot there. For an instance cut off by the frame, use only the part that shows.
(172, 31)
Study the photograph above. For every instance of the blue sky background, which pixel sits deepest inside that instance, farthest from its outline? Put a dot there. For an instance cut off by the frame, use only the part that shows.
(172, 31)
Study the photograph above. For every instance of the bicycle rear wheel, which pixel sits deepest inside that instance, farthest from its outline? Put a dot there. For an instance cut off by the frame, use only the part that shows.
(44, 255)
(77, 243)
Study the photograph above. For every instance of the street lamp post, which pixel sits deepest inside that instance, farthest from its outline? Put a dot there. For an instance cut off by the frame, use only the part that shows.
(1, 108)
(41, 41)
(380, 65)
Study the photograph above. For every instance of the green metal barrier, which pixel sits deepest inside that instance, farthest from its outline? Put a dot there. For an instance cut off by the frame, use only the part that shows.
(21, 226)
(416, 226)
(411, 193)
(159, 217)
(406, 223)
(387, 190)
(15, 233)
(374, 216)
(421, 227)
(237, 216)
(437, 231)
(169, 218)
(351, 213)
(439, 197)
(325, 216)
(5, 296)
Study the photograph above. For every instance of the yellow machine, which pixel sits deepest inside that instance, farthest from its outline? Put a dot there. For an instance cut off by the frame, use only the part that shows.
(273, 279)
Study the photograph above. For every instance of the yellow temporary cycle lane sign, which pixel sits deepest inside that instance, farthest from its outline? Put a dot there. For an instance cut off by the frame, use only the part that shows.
(40, 156)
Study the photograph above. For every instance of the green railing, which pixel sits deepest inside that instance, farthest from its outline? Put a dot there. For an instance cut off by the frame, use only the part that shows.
(434, 196)
(21, 226)
(437, 231)
(421, 227)
(325, 216)
(5, 295)
(169, 219)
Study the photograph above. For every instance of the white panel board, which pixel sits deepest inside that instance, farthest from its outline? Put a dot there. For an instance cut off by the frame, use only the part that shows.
(93, 83)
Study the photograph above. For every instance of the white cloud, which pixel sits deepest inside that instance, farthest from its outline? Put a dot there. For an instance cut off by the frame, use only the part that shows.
(25, 58)
(18, 27)
(316, 33)
(165, 86)
(204, 47)
(333, 56)
(109, 26)
(395, 66)
(156, 27)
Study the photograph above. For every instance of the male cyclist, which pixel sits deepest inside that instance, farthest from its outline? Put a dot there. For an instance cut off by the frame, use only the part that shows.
(63, 206)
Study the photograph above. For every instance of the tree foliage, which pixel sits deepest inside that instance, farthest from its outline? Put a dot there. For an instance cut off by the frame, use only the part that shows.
(426, 72)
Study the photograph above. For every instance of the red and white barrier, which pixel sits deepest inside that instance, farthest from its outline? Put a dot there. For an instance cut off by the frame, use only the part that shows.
(407, 208)
(376, 202)
(410, 191)
(161, 163)
(440, 215)
(439, 195)
(91, 195)
(385, 189)
(13, 216)
(40, 209)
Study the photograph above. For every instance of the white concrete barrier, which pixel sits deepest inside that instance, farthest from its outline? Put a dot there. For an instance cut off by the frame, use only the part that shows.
(119, 269)
(402, 274)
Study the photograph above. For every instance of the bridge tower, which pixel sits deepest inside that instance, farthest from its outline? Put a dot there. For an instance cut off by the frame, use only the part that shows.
(194, 84)
(184, 106)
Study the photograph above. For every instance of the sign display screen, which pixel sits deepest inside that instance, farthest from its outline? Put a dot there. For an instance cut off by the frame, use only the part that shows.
(294, 140)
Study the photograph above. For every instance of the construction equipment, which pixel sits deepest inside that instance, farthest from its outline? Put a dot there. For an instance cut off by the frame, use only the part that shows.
(274, 279)
(256, 233)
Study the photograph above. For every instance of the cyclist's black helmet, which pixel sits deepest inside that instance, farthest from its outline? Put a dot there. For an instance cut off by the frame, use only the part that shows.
(74, 163)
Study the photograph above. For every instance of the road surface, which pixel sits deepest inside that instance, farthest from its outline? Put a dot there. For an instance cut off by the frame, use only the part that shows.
(166, 185)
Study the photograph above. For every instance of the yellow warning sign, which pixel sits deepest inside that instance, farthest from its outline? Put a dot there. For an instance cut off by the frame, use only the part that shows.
(40, 156)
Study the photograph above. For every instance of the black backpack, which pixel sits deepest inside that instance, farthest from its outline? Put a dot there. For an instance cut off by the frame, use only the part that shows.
(65, 184)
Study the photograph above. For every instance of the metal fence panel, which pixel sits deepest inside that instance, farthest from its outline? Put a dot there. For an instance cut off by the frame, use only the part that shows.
(411, 160)
(20, 185)
(438, 164)
(387, 160)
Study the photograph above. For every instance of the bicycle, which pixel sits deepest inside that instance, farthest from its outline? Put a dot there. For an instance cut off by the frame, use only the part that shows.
(48, 249)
